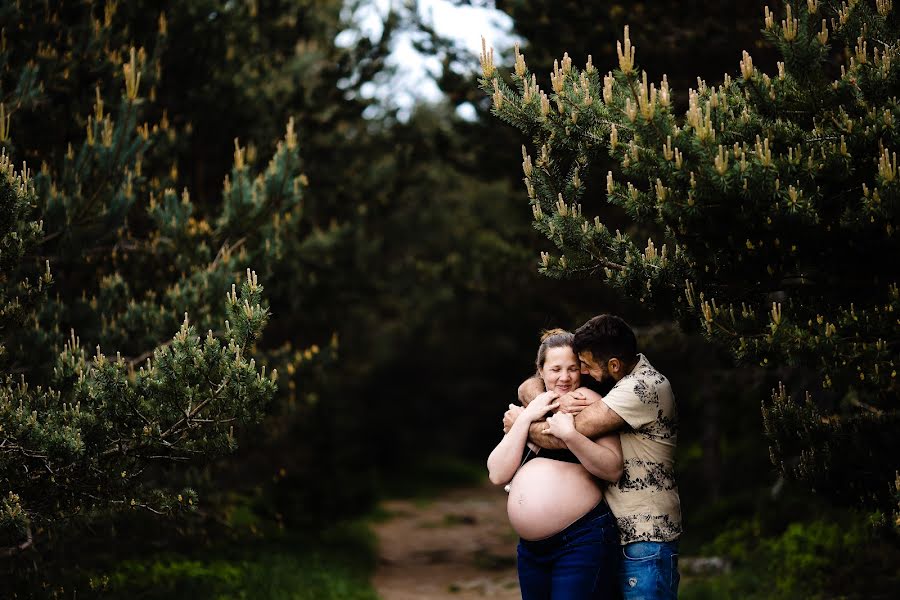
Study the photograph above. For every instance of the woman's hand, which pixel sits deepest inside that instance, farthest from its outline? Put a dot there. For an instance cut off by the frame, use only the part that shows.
(562, 425)
(540, 406)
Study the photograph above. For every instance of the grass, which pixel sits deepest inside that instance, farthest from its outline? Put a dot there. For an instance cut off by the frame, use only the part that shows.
(262, 562)
(334, 565)
(836, 555)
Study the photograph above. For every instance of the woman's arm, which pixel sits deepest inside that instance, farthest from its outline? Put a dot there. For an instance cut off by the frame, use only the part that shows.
(602, 458)
(505, 459)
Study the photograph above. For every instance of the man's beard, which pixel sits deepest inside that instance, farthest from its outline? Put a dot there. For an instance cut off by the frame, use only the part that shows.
(601, 387)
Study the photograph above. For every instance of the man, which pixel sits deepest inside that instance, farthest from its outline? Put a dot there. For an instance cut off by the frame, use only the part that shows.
(641, 407)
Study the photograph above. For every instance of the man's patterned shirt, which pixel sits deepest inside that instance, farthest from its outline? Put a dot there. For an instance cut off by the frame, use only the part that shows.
(645, 500)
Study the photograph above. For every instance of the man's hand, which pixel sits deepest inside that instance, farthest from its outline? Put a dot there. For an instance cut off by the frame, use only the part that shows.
(574, 402)
(510, 416)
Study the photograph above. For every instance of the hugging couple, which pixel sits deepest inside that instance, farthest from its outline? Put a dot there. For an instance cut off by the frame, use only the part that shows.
(591, 479)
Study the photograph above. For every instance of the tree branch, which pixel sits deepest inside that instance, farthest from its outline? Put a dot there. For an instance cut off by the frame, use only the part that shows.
(13, 550)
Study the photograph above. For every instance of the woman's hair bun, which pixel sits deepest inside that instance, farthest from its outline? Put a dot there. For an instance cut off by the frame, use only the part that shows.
(551, 332)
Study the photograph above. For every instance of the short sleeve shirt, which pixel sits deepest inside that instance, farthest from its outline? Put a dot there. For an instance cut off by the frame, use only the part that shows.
(645, 500)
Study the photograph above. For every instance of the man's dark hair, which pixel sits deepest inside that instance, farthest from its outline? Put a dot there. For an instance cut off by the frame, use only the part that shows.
(606, 337)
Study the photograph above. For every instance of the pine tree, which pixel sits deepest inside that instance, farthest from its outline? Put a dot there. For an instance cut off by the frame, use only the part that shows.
(662, 30)
(774, 203)
(97, 245)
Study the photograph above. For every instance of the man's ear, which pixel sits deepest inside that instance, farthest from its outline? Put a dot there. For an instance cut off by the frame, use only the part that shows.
(614, 365)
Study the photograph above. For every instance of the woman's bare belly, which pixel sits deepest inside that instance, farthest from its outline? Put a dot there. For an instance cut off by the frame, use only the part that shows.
(546, 496)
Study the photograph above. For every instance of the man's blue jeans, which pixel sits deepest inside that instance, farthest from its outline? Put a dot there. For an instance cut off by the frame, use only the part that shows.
(649, 571)
(578, 563)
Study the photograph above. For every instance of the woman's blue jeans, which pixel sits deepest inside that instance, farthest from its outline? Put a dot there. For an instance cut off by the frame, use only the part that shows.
(649, 571)
(581, 562)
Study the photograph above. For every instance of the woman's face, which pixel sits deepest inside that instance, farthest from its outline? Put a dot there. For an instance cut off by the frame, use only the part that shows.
(561, 371)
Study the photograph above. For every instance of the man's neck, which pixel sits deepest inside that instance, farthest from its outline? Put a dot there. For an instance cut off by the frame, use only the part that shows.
(628, 369)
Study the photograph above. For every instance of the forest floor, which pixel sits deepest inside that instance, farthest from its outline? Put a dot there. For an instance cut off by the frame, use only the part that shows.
(456, 546)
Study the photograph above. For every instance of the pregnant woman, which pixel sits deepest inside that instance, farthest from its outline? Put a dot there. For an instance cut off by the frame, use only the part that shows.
(569, 542)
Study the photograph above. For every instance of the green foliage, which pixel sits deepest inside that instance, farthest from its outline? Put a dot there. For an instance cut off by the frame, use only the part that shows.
(333, 565)
(776, 198)
(662, 30)
(81, 432)
(811, 559)
(20, 231)
(267, 576)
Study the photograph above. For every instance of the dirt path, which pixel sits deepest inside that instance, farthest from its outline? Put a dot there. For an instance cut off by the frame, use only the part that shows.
(459, 546)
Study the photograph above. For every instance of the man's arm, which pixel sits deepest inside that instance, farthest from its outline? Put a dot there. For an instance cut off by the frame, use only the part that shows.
(539, 434)
(597, 420)
(530, 389)
(602, 458)
(593, 422)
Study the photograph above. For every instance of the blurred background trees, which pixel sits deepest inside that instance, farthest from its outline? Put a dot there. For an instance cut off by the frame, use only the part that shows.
(399, 267)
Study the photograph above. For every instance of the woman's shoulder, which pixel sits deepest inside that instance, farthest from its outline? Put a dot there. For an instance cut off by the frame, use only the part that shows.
(589, 393)
(595, 386)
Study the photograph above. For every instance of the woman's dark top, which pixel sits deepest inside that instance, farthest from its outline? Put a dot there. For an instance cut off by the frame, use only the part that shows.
(564, 455)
